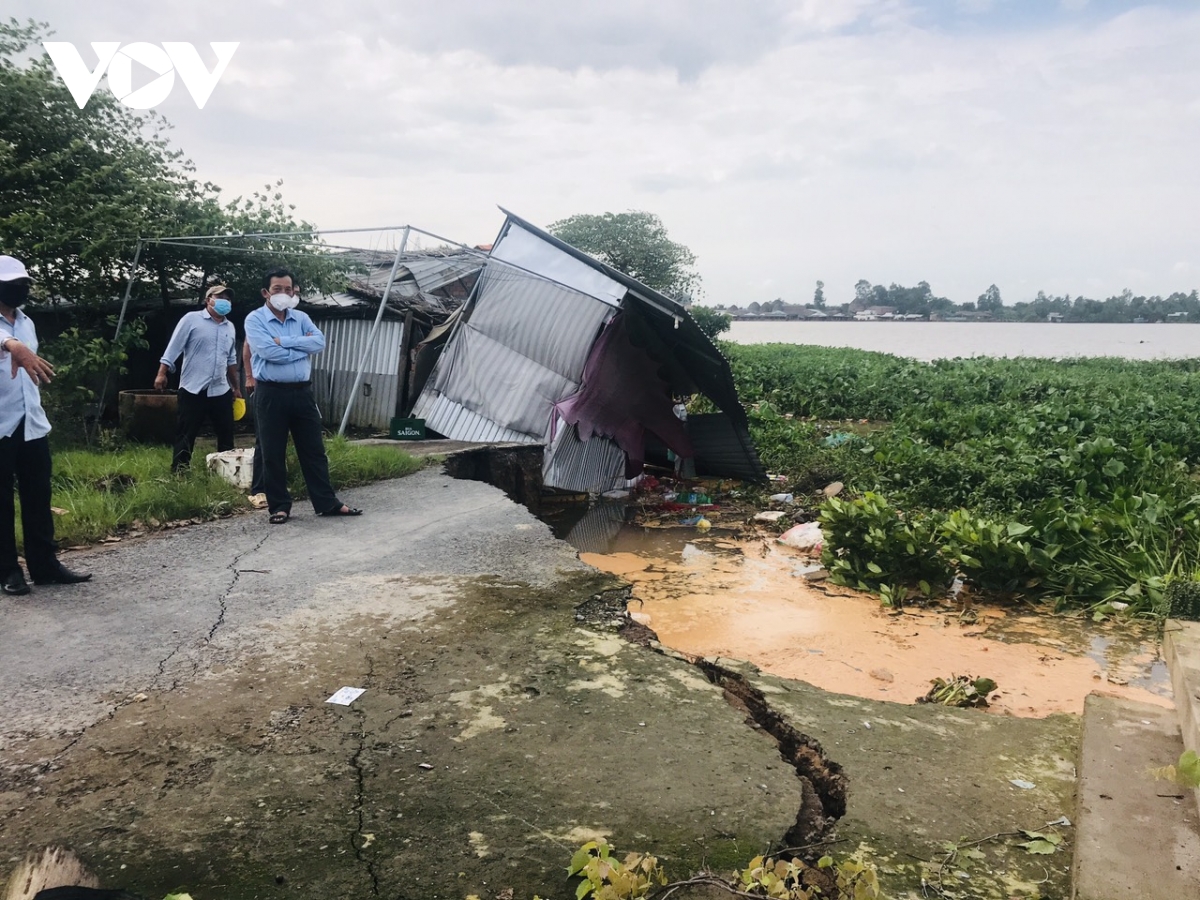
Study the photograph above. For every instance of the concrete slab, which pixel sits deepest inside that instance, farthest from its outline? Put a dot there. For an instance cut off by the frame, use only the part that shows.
(1138, 839)
(1181, 648)
(168, 720)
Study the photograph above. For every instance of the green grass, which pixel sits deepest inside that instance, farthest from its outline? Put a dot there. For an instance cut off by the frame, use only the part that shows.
(108, 492)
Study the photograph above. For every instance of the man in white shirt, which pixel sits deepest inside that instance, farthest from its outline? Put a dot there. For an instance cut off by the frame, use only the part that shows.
(24, 448)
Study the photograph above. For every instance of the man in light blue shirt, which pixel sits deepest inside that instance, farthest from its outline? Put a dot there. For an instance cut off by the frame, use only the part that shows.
(209, 380)
(24, 448)
(282, 341)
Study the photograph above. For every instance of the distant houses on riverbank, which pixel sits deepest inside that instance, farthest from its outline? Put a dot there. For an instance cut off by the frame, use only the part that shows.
(788, 312)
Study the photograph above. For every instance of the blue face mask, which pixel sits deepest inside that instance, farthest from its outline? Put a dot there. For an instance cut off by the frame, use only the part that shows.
(222, 307)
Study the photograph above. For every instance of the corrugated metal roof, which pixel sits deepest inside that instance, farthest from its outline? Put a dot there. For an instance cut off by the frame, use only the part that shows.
(432, 273)
(521, 350)
(514, 391)
(706, 365)
(544, 321)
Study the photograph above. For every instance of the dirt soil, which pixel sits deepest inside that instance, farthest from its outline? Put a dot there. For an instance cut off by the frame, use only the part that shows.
(746, 599)
(168, 721)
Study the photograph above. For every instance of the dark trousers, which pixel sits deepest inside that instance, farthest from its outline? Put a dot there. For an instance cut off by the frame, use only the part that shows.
(193, 409)
(28, 463)
(281, 409)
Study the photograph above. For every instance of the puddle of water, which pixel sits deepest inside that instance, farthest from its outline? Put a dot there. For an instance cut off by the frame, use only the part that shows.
(717, 596)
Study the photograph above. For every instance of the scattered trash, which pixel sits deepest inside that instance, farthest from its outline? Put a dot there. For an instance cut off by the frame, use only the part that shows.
(235, 466)
(1040, 844)
(346, 695)
(815, 572)
(615, 495)
(867, 725)
(1022, 784)
(832, 490)
(959, 690)
(806, 536)
(1064, 821)
(837, 438)
(882, 675)
(782, 498)
(691, 521)
(58, 510)
(695, 499)
(777, 479)
(424, 766)
(140, 698)
(1118, 605)
(770, 516)
(703, 524)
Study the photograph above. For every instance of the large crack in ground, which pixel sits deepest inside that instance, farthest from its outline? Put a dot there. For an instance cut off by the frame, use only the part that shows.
(161, 668)
(360, 840)
(823, 784)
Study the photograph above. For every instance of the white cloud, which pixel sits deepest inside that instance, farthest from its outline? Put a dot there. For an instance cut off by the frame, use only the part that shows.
(783, 142)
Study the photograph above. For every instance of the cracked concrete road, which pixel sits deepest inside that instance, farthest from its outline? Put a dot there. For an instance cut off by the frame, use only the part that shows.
(168, 719)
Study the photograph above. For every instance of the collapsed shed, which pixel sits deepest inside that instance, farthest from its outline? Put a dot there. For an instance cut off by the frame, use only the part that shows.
(554, 347)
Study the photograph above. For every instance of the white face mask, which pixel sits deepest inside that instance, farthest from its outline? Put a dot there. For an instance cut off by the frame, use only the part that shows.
(283, 302)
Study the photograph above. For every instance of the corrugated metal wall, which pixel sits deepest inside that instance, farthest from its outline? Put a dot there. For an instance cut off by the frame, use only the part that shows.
(335, 367)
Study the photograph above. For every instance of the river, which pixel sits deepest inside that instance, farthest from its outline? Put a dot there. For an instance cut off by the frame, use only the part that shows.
(939, 340)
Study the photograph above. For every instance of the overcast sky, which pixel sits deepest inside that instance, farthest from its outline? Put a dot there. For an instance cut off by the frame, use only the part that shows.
(1035, 144)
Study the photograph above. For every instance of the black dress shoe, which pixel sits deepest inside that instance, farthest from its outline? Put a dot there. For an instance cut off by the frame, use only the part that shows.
(14, 583)
(60, 574)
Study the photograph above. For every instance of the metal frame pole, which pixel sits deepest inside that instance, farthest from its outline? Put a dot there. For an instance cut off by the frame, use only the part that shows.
(362, 360)
(137, 255)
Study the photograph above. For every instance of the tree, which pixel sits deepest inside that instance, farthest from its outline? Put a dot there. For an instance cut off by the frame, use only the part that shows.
(711, 321)
(989, 300)
(79, 186)
(864, 293)
(819, 295)
(635, 243)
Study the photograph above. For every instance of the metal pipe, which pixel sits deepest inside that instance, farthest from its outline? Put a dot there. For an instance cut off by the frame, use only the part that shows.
(137, 255)
(362, 360)
(265, 234)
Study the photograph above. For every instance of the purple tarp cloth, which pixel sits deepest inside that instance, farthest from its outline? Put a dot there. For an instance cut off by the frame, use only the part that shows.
(622, 397)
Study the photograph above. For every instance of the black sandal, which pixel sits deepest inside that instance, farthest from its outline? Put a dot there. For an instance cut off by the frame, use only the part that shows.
(278, 518)
(343, 510)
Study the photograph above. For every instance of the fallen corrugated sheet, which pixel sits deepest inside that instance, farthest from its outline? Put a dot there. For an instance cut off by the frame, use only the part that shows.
(520, 351)
(591, 466)
(450, 418)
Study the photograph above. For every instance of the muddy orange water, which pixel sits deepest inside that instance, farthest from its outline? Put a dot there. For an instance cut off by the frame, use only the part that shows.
(712, 597)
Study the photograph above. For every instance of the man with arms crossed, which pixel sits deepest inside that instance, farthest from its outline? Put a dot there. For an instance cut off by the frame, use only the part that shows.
(282, 341)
